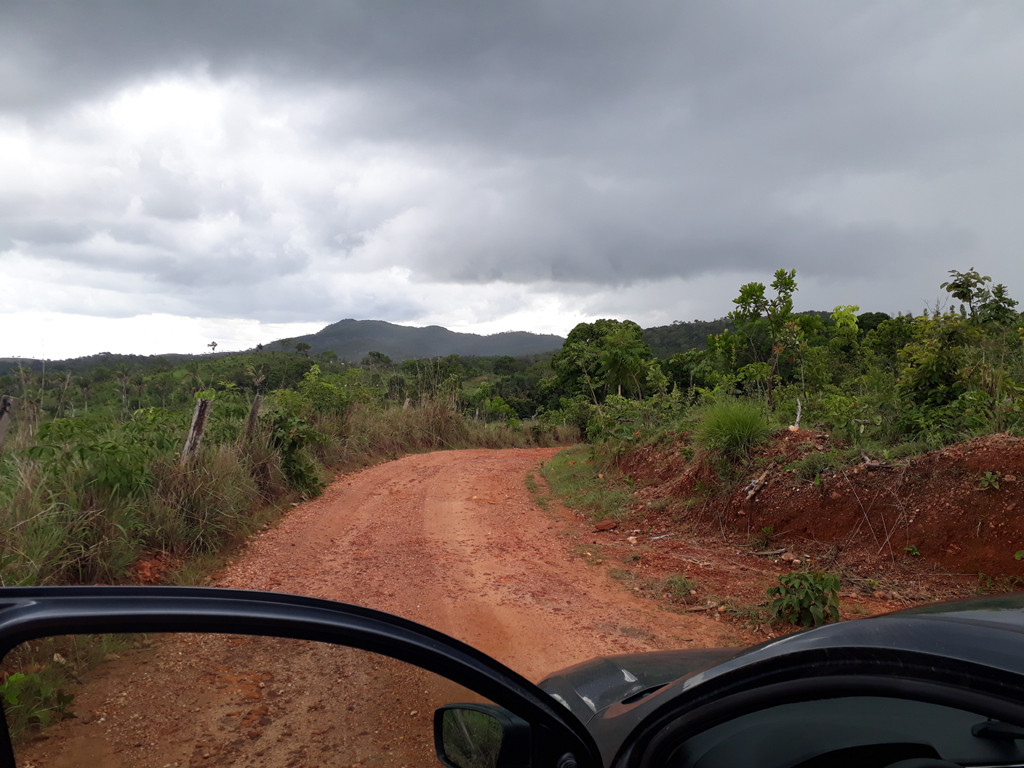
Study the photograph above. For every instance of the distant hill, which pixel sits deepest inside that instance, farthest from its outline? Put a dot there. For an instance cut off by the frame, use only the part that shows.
(667, 340)
(352, 340)
(106, 359)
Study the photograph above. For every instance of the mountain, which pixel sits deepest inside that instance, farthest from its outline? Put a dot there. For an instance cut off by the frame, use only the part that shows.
(667, 340)
(352, 340)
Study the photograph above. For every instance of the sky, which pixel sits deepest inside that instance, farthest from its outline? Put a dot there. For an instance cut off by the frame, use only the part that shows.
(240, 171)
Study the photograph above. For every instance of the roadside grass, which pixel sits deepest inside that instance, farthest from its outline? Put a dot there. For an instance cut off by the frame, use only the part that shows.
(677, 587)
(575, 480)
(84, 500)
(73, 521)
(534, 489)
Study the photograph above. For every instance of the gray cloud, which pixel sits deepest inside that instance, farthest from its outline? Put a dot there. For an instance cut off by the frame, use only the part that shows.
(260, 159)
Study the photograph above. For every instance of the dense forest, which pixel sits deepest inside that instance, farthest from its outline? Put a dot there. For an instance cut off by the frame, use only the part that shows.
(93, 475)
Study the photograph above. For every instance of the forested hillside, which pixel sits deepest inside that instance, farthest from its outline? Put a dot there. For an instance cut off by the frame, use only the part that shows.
(354, 339)
(347, 340)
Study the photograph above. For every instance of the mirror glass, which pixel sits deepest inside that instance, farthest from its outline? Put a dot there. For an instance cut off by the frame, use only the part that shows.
(178, 700)
(472, 739)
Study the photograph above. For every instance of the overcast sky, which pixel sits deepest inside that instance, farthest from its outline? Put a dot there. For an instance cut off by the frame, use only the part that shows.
(175, 173)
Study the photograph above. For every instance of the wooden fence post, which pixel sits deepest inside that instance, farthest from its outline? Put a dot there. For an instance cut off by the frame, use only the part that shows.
(6, 406)
(254, 412)
(195, 433)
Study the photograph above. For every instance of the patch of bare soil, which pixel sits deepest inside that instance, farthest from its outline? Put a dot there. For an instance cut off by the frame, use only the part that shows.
(930, 528)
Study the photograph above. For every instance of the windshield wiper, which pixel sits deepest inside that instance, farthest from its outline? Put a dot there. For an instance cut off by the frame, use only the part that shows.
(997, 731)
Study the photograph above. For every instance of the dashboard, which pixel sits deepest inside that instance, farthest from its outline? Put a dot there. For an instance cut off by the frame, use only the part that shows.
(853, 732)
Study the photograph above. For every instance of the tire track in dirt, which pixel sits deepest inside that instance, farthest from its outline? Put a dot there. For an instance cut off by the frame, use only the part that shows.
(453, 540)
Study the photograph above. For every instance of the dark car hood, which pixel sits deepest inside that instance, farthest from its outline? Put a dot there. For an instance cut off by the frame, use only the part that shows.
(592, 686)
(612, 695)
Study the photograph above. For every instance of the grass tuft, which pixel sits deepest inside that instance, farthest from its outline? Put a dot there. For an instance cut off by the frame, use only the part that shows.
(732, 428)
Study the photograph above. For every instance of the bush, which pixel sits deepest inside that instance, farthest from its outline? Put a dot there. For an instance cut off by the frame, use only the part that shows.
(808, 598)
(731, 427)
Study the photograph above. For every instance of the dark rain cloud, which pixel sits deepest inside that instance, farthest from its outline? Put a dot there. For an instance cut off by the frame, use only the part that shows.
(570, 143)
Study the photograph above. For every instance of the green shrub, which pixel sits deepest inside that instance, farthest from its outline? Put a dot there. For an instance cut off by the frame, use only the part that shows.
(731, 427)
(811, 466)
(808, 598)
(33, 699)
(678, 587)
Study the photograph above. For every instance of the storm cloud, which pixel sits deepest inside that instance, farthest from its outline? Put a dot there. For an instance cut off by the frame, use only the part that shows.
(489, 167)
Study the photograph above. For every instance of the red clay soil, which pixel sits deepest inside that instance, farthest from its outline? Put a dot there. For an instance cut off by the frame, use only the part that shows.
(928, 527)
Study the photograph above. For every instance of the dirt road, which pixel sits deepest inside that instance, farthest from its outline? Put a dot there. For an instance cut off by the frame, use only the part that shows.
(455, 541)
(452, 540)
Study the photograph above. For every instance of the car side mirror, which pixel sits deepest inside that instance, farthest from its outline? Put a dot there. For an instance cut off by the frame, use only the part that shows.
(481, 736)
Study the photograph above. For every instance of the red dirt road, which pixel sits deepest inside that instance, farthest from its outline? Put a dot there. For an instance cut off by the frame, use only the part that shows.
(455, 541)
(452, 540)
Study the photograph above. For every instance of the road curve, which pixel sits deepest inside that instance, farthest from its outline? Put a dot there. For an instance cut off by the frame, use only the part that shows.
(455, 541)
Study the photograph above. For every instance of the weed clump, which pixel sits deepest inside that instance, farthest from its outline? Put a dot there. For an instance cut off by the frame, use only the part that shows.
(807, 598)
(732, 428)
(678, 587)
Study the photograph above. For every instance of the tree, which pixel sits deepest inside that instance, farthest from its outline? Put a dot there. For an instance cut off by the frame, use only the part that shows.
(624, 358)
(505, 366)
(603, 356)
(376, 361)
(868, 321)
(302, 348)
(978, 301)
(753, 306)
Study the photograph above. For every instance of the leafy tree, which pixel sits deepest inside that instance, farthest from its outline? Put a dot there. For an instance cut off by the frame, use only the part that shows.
(506, 365)
(601, 357)
(868, 321)
(376, 360)
(624, 358)
(753, 305)
(978, 301)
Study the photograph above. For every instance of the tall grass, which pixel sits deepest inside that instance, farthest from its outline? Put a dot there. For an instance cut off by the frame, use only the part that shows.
(731, 428)
(371, 433)
(82, 501)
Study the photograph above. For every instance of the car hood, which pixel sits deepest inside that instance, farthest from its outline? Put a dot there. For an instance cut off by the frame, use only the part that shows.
(592, 686)
(613, 695)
